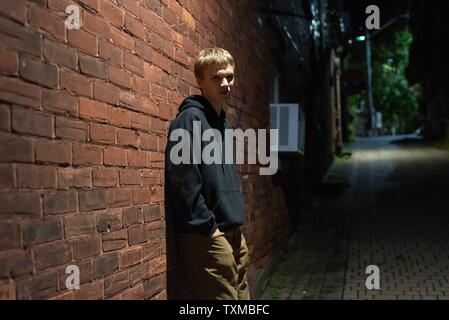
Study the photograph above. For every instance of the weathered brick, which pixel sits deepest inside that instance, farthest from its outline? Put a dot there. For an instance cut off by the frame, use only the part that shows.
(61, 55)
(152, 213)
(109, 221)
(120, 197)
(18, 37)
(110, 52)
(76, 83)
(159, 93)
(71, 129)
(8, 291)
(119, 117)
(129, 257)
(90, 291)
(114, 240)
(54, 254)
(9, 62)
(15, 10)
(114, 156)
(155, 6)
(74, 178)
(105, 177)
(32, 122)
(102, 133)
(60, 202)
(148, 141)
(154, 285)
(140, 121)
(158, 266)
(5, 118)
(106, 92)
(129, 177)
(27, 203)
(105, 264)
(129, 100)
(127, 138)
(152, 250)
(121, 38)
(6, 176)
(96, 25)
(83, 40)
(149, 106)
(132, 216)
(135, 293)
(144, 51)
(150, 177)
(93, 66)
(138, 273)
(38, 72)
(161, 61)
(38, 232)
(134, 26)
(87, 247)
(141, 196)
(92, 110)
(79, 224)
(19, 92)
(59, 102)
(15, 263)
(116, 283)
(119, 76)
(140, 84)
(137, 158)
(92, 200)
(43, 19)
(35, 177)
(111, 12)
(10, 235)
(85, 154)
(41, 286)
(54, 152)
(155, 230)
(136, 235)
(130, 5)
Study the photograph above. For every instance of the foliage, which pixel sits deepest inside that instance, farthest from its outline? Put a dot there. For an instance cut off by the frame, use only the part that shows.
(393, 96)
(398, 102)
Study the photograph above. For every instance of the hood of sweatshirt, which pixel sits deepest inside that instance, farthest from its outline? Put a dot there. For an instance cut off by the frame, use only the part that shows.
(202, 103)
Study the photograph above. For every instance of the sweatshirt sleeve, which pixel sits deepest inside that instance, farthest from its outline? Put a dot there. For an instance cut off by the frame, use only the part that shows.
(185, 185)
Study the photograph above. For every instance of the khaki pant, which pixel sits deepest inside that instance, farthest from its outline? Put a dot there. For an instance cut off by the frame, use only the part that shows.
(216, 267)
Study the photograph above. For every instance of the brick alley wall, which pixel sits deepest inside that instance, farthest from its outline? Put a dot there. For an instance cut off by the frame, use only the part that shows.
(83, 123)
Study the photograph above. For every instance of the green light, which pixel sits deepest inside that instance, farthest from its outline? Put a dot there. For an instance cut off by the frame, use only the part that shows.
(360, 38)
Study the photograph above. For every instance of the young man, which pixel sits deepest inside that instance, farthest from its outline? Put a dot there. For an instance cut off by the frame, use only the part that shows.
(204, 201)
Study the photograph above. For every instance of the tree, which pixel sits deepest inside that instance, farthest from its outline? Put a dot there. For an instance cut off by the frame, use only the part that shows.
(398, 102)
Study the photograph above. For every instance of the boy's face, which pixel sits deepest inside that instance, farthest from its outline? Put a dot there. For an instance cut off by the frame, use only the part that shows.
(216, 84)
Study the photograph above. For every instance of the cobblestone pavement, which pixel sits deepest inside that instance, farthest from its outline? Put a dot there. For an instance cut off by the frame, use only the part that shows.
(394, 215)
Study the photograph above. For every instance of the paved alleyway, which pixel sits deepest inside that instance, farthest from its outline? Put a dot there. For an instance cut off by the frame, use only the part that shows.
(395, 215)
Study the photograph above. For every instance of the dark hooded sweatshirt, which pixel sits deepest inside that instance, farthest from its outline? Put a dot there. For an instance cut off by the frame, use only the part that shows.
(201, 197)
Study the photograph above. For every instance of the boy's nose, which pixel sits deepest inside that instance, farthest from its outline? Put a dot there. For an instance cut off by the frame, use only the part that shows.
(225, 82)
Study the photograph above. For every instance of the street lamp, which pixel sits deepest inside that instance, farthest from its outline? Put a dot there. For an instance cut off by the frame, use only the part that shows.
(367, 39)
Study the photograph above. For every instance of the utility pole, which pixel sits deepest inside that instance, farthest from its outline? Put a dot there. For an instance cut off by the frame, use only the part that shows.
(372, 111)
(367, 38)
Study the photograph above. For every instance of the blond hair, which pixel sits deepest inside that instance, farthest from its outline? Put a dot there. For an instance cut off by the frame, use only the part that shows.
(216, 57)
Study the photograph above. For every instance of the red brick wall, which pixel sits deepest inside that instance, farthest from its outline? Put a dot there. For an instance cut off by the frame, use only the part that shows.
(83, 123)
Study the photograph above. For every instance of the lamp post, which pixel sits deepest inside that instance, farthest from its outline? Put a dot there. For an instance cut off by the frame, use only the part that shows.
(367, 39)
